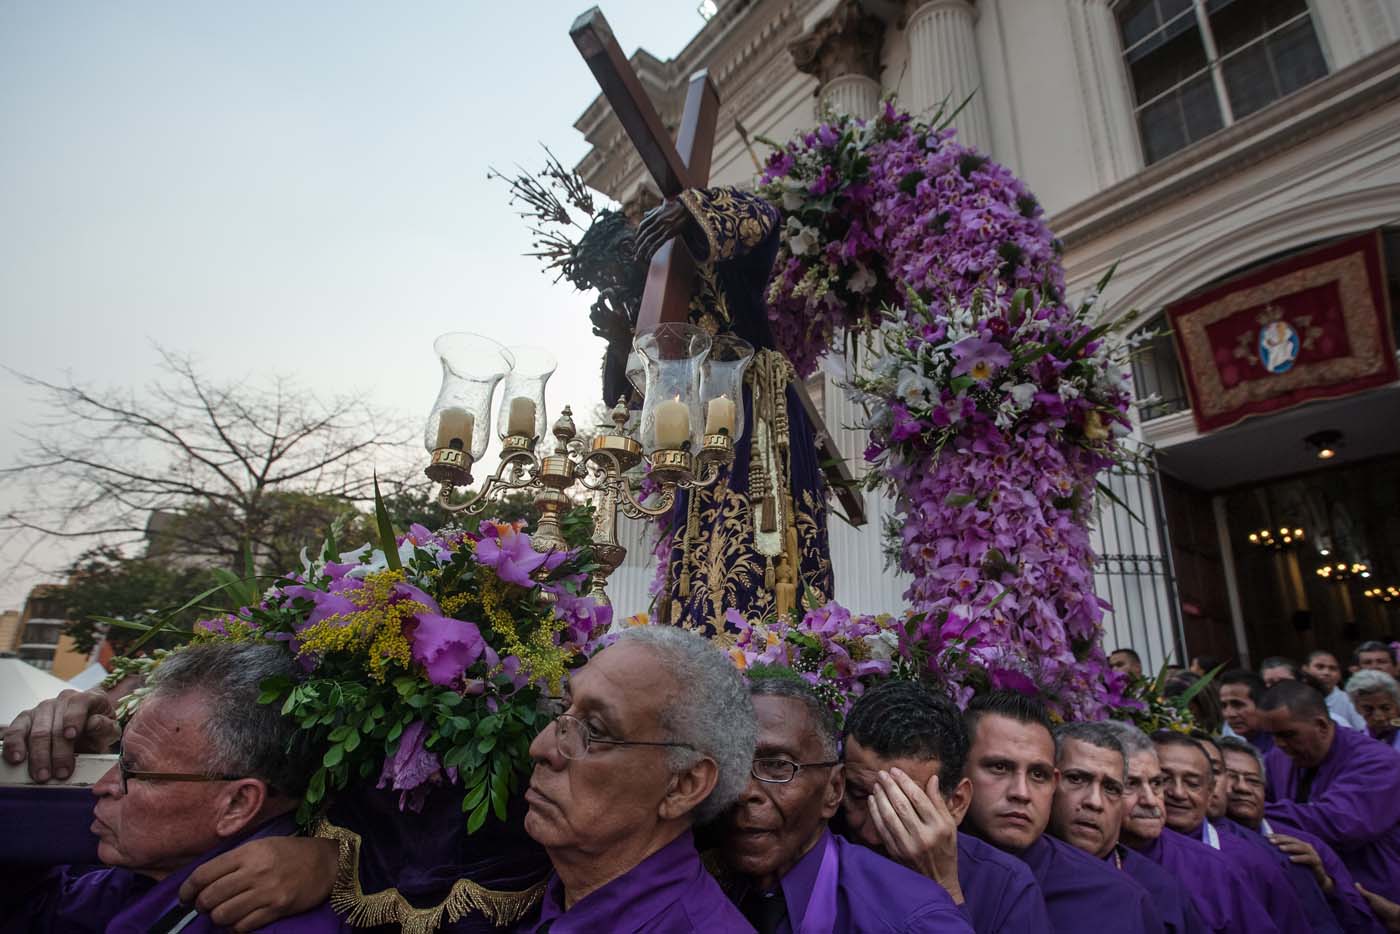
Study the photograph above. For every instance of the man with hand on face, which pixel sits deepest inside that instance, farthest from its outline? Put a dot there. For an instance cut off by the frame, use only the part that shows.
(789, 873)
(1240, 691)
(1324, 668)
(1088, 814)
(1244, 770)
(1261, 853)
(905, 746)
(1187, 796)
(1337, 784)
(1012, 769)
(658, 734)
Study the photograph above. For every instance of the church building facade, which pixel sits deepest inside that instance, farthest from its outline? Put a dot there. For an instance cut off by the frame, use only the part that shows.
(1218, 152)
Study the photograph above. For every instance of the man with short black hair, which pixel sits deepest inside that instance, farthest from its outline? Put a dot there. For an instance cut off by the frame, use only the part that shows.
(1323, 667)
(1277, 668)
(1088, 814)
(1125, 660)
(905, 746)
(1240, 690)
(1012, 768)
(1374, 656)
(790, 873)
(1339, 785)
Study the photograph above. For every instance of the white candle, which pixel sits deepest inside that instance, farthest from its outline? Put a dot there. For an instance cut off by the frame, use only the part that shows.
(719, 416)
(522, 417)
(455, 425)
(672, 424)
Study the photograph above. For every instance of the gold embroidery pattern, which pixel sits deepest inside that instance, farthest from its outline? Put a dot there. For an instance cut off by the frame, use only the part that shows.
(1359, 316)
(733, 221)
(390, 907)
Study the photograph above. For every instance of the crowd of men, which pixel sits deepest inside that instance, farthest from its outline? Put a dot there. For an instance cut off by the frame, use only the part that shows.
(673, 793)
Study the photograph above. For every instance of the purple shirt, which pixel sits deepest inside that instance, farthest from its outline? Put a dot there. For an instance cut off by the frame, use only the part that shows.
(1215, 886)
(1352, 911)
(119, 901)
(1000, 895)
(669, 891)
(1317, 915)
(1082, 894)
(1179, 914)
(1353, 805)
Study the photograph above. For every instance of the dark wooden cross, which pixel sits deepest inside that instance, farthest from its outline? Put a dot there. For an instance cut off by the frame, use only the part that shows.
(674, 167)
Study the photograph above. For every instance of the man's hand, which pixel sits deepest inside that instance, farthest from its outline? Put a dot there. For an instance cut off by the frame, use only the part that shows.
(50, 734)
(1304, 855)
(659, 226)
(1387, 912)
(262, 881)
(917, 828)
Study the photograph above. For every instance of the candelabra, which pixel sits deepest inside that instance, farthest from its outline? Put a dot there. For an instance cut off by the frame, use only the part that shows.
(1342, 571)
(1286, 538)
(692, 414)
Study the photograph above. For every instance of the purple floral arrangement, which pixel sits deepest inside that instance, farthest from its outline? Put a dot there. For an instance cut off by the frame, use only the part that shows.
(426, 664)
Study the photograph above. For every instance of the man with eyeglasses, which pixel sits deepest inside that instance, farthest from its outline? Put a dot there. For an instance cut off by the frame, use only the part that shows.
(906, 795)
(1213, 884)
(656, 735)
(1088, 814)
(1190, 786)
(787, 871)
(1244, 772)
(1012, 768)
(202, 768)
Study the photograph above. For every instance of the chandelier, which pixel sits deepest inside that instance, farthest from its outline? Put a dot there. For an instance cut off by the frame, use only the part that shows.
(1282, 541)
(1342, 571)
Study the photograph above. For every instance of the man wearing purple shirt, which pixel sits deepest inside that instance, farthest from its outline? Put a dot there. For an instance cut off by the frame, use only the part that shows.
(1338, 785)
(1011, 764)
(658, 734)
(1088, 814)
(905, 746)
(784, 867)
(1215, 886)
(1240, 691)
(1244, 770)
(203, 767)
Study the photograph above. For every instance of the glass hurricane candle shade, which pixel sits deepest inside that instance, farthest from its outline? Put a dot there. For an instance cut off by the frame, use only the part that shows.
(722, 385)
(472, 365)
(522, 412)
(672, 416)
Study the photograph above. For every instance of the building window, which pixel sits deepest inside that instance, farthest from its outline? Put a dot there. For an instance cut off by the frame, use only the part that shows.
(1200, 65)
(1157, 379)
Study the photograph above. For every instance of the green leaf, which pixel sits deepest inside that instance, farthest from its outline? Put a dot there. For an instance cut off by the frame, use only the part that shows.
(386, 530)
(478, 817)
(487, 744)
(1116, 500)
(333, 756)
(1184, 700)
(316, 788)
(958, 499)
(352, 742)
(474, 797)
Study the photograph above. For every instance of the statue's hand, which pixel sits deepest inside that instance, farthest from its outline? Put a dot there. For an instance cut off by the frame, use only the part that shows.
(660, 225)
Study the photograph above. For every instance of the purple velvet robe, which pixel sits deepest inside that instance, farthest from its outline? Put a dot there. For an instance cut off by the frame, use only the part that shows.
(872, 894)
(669, 891)
(1216, 887)
(1351, 910)
(1353, 806)
(1000, 894)
(118, 901)
(1179, 914)
(1317, 914)
(1082, 894)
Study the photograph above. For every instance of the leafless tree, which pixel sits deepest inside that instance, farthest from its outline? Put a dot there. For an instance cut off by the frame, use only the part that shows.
(224, 466)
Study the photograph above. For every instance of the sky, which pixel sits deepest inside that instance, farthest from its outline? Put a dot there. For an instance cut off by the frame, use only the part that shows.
(272, 188)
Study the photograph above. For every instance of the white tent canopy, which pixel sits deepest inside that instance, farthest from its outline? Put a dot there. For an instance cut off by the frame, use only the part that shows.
(22, 686)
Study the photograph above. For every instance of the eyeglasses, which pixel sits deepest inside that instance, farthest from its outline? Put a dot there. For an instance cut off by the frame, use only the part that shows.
(575, 739)
(776, 771)
(128, 774)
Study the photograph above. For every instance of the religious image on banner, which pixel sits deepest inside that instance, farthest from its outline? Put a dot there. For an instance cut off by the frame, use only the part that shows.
(1314, 326)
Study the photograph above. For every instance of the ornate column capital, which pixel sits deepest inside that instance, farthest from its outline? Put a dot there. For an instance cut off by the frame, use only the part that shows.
(845, 43)
(916, 8)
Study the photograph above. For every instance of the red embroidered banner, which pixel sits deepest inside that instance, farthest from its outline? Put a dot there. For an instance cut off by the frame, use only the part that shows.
(1313, 326)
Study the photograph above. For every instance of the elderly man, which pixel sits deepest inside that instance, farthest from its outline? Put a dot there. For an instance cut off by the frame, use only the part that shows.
(1011, 765)
(1088, 814)
(1336, 784)
(788, 871)
(1244, 771)
(203, 767)
(1213, 884)
(1376, 697)
(905, 746)
(1187, 796)
(1277, 668)
(1126, 661)
(1240, 691)
(1374, 656)
(657, 735)
(1260, 855)
(1323, 667)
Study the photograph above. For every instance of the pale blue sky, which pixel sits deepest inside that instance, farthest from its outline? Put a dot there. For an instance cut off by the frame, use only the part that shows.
(277, 187)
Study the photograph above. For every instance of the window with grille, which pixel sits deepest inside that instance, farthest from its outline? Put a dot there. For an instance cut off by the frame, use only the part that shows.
(1199, 65)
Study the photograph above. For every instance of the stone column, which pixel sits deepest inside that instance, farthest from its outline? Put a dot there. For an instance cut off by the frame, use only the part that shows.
(1105, 91)
(943, 63)
(843, 52)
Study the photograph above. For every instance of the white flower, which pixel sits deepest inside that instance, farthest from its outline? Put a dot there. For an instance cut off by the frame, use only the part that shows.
(1068, 390)
(792, 199)
(803, 242)
(862, 280)
(883, 645)
(1022, 394)
(914, 388)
